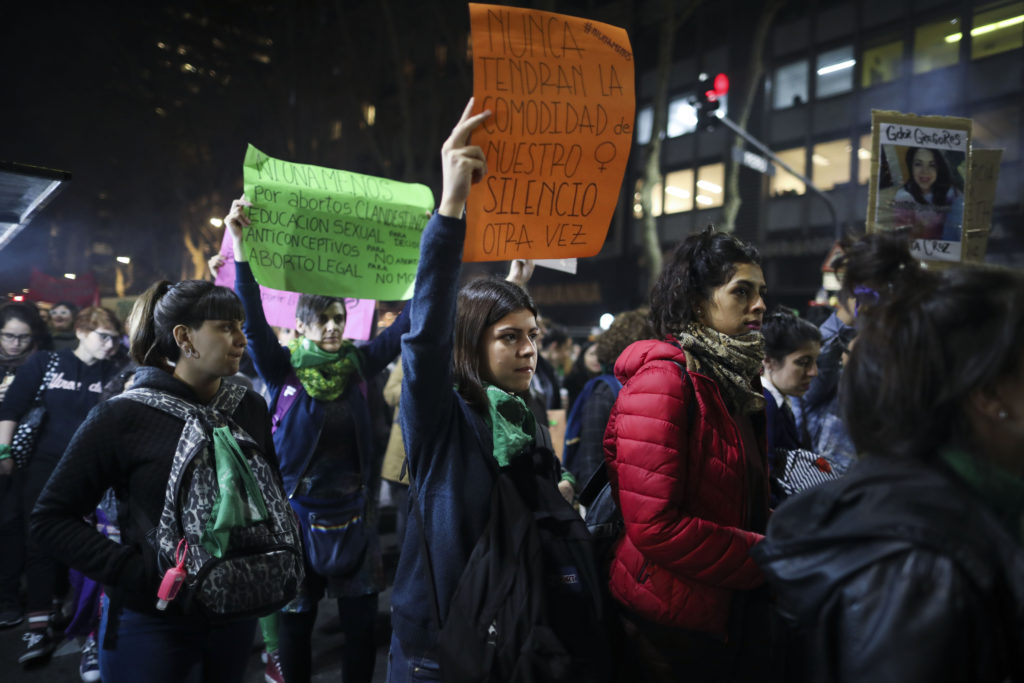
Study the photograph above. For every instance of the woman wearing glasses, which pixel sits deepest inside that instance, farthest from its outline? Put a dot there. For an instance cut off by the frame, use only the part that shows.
(72, 389)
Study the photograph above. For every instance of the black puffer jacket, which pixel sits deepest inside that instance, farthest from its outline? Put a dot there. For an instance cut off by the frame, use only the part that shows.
(897, 572)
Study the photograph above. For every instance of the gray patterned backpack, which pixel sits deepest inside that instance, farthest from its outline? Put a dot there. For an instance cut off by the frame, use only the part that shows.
(258, 566)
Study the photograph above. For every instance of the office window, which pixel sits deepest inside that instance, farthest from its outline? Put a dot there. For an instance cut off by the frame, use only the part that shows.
(881, 64)
(710, 186)
(783, 182)
(936, 45)
(864, 160)
(679, 191)
(644, 123)
(999, 129)
(831, 163)
(682, 117)
(997, 29)
(835, 72)
(790, 85)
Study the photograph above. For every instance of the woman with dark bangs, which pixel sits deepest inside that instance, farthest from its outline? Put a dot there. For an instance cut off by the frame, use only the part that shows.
(186, 339)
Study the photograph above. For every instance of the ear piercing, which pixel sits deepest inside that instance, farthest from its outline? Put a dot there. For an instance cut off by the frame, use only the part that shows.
(1002, 415)
(189, 352)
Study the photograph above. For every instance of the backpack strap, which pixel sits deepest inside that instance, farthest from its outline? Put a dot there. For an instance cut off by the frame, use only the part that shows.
(48, 373)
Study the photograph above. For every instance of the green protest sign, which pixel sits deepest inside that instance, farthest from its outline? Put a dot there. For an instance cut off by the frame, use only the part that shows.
(324, 231)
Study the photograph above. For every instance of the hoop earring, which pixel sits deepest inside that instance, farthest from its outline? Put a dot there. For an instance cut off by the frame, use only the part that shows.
(189, 352)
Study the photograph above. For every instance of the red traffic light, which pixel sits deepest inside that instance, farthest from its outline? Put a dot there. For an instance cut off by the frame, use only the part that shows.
(721, 85)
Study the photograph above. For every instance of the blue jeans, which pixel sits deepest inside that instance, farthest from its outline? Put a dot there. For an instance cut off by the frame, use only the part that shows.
(402, 669)
(160, 649)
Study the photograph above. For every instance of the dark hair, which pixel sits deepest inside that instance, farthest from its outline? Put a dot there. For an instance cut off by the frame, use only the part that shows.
(481, 303)
(784, 333)
(310, 306)
(943, 177)
(68, 305)
(28, 314)
(95, 317)
(554, 335)
(164, 306)
(701, 262)
(923, 350)
(876, 265)
(628, 327)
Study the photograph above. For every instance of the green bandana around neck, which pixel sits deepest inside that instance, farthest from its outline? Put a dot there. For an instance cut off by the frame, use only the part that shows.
(999, 488)
(324, 374)
(733, 362)
(513, 426)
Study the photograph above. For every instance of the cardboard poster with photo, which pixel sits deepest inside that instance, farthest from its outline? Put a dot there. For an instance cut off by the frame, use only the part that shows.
(920, 179)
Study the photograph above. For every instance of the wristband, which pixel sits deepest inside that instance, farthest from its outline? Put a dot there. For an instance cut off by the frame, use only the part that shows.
(5, 451)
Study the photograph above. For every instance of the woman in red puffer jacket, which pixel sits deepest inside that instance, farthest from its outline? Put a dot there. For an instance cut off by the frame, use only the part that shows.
(686, 456)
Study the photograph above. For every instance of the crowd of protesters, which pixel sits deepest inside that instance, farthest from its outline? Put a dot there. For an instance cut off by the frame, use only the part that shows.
(793, 502)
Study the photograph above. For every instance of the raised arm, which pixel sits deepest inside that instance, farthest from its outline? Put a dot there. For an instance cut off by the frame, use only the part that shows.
(427, 347)
(269, 357)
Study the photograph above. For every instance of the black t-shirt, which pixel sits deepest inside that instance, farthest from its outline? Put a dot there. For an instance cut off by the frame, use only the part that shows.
(72, 392)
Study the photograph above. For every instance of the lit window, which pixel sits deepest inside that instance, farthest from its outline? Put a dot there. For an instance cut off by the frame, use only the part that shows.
(999, 128)
(864, 160)
(997, 30)
(656, 197)
(336, 130)
(882, 64)
(644, 123)
(790, 85)
(783, 182)
(835, 72)
(682, 117)
(679, 191)
(710, 186)
(369, 114)
(933, 46)
(831, 163)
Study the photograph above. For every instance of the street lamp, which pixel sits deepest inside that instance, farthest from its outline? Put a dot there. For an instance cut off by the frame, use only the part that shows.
(124, 259)
(217, 222)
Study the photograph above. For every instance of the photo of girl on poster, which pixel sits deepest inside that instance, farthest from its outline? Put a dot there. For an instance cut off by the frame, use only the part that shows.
(921, 186)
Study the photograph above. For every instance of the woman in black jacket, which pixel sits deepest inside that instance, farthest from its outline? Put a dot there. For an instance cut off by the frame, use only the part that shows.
(909, 568)
(186, 338)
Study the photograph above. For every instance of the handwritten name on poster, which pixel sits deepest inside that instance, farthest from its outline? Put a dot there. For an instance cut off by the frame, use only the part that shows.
(326, 231)
(920, 181)
(279, 307)
(563, 100)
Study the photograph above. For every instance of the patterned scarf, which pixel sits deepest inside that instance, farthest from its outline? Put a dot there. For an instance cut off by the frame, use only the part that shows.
(513, 426)
(733, 362)
(324, 374)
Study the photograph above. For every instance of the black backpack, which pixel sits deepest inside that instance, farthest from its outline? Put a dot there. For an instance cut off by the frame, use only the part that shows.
(530, 605)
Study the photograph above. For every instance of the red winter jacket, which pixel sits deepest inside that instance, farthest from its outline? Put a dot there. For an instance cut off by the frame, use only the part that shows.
(682, 489)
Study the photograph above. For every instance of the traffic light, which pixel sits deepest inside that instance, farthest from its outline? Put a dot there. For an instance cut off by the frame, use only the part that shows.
(708, 102)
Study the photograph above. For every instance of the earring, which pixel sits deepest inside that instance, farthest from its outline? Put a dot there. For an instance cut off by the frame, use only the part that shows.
(1002, 415)
(189, 352)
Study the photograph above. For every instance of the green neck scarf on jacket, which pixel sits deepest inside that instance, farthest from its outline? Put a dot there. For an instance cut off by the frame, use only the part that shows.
(513, 427)
(324, 374)
(1003, 491)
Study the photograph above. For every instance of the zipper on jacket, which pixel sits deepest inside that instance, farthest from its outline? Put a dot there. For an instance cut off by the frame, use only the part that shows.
(643, 574)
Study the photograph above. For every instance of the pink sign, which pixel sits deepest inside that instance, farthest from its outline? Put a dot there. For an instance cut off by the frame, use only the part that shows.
(279, 307)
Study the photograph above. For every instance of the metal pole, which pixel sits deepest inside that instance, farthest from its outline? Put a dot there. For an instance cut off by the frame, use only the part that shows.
(732, 125)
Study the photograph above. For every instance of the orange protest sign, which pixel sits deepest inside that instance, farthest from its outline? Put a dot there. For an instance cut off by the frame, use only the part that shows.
(562, 98)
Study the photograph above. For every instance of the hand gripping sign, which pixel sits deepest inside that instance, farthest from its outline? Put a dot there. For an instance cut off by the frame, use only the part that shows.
(563, 100)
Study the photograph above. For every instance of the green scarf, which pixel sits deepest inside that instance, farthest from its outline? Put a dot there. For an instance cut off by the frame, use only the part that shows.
(1003, 492)
(733, 362)
(513, 427)
(324, 375)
